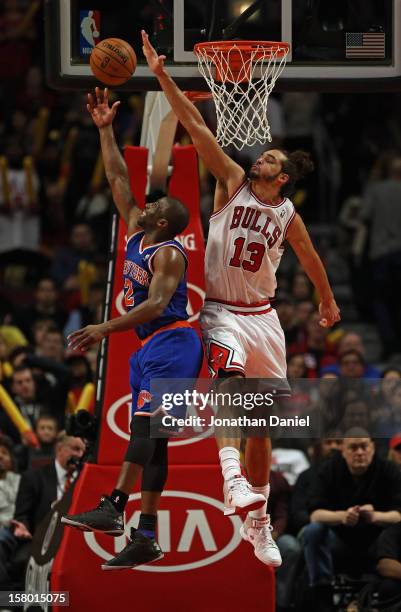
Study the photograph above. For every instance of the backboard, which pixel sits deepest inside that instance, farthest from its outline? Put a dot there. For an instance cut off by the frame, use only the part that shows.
(343, 45)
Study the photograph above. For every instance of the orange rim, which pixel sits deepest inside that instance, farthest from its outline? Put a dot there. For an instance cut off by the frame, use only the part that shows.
(268, 48)
(198, 96)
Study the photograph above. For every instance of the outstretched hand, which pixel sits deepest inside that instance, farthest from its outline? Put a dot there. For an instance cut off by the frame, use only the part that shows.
(82, 339)
(155, 62)
(98, 107)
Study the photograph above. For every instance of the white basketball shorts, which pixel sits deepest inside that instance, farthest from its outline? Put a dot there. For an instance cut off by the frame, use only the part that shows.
(252, 344)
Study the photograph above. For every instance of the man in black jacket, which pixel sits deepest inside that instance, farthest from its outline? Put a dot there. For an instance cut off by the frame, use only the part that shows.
(353, 497)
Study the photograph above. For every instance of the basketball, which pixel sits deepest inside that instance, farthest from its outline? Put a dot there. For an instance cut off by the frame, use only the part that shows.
(113, 61)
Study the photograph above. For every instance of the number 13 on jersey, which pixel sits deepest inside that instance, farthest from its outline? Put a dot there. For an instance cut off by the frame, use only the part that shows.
(256, 252)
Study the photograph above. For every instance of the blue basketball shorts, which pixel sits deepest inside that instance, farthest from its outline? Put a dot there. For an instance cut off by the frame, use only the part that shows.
(170, 354)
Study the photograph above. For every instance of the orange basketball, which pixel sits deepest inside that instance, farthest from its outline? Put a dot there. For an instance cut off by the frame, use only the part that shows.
(113, 61)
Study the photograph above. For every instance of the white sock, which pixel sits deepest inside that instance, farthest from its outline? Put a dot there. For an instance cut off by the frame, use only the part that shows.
(229, 461)
(262, 511)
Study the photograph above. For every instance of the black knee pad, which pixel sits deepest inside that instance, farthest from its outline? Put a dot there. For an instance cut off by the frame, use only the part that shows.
(155, 473)
(141, 446)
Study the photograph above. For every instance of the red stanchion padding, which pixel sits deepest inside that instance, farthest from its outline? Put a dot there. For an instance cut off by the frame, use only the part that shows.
(184, 185)
(137, 161)
(116, 410)
(207, 566)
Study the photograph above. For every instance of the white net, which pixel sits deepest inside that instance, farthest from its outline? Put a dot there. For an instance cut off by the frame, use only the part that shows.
(241, 79)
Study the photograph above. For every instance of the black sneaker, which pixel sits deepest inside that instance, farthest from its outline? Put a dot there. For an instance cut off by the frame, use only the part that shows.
(138, 551)
(104, 518)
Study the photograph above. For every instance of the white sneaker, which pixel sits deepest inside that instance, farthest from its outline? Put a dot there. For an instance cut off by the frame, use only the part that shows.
(258, 533)
(239, 498)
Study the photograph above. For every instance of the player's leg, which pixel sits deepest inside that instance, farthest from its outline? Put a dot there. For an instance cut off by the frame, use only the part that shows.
(142, 546)
(257, 528)
(267, 360)
(238, 497)
(108, 516)
(226, 358)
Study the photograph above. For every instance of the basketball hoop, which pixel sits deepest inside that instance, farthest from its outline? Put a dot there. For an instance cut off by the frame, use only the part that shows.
(241, 75)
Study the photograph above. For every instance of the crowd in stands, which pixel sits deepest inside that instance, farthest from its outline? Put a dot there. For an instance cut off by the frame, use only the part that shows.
(335, 496)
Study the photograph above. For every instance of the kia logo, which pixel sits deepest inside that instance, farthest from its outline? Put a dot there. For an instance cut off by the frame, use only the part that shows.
(119, 418)
(194, 528)
(196, 297)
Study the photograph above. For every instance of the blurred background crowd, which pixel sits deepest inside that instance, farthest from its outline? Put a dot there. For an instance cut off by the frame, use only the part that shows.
(55, 213)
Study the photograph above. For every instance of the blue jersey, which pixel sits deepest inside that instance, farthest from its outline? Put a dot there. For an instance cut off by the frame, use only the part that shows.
(138, 273)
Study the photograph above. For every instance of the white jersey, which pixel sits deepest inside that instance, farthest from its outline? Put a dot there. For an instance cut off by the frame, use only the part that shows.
(244, 248)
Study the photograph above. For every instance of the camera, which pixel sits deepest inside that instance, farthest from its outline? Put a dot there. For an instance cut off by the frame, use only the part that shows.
(82, 424)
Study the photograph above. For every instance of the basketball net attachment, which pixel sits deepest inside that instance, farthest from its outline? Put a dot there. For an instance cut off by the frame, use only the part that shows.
(241, 76)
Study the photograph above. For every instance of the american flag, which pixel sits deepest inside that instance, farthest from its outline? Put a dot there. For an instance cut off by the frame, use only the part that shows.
(365, 44)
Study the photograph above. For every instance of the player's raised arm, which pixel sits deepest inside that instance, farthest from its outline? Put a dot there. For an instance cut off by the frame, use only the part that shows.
(114, 164)
(168, 270)
(300, 241)
(224, 169)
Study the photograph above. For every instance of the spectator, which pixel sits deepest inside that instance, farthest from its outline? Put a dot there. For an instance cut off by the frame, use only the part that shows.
(296, 366)
(394, 453)
(46, 430)
(19, 213)
(382, 211)
(351, 364)
(353, 497)
(34, 396)
(9, 482)
(391, 424)
(389, 568)
(66, 262)
(37, 490)
(51, 345)
(352, 341)
(24, 389)
(39, 328)
(357, 414)
(382, 411)
(44, 306)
